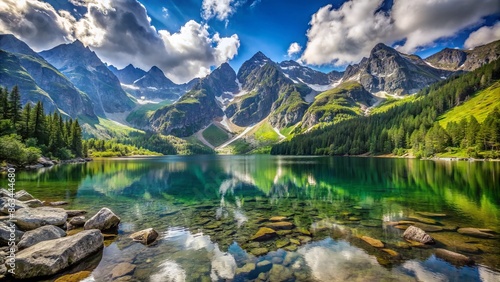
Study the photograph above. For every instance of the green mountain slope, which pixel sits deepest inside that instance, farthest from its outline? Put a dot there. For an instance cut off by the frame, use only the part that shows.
(479, 106)
(340, 103)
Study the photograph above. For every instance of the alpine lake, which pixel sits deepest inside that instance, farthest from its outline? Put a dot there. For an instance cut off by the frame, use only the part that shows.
(208, 211)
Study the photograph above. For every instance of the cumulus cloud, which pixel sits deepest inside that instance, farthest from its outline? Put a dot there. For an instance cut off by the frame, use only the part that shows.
(347, 34)
(37, 23)
(294, 49)
(220, 9)
(482, 36)
(120, 32)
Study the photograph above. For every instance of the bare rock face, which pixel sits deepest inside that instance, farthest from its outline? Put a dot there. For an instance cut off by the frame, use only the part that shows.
(104, 219)
(29, 219)
(44, 233)
(146, 236)
(416, 234)
(55, 255)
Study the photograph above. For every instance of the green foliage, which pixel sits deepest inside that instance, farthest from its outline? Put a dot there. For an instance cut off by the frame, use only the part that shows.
(33, 133)
(112, 148)
(215, 136)
(412, 125)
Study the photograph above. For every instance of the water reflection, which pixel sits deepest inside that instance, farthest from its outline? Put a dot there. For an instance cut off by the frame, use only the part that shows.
(210, 206)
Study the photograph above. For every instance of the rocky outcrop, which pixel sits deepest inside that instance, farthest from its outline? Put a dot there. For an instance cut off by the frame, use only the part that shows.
(104, 219)
(44, 233)
(29, 218)
(146, 236)
(77, 221)
(388, 70)
(416, 234)
(465, 60)
(55, 255)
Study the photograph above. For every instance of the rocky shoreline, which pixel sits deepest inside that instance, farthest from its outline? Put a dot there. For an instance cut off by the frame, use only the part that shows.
(45, 162)
(43, 240)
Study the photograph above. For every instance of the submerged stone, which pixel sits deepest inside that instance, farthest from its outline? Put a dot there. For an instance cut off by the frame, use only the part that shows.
(373, 242)
(454, 258)
(280, 225)
(428, 228)
(282, 242)
(264, 266)
(122, 269)
(259, 251)
(278, 218)
(283, 232)
(423, 220)
(263, 234)
(475, 232)
(304, 231)
(295, 241)
(392, 253)
(291, 248)
(246, 269)
(75, 277)
(431, 214)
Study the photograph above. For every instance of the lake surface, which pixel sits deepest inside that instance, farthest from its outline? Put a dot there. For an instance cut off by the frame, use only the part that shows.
(207, 208)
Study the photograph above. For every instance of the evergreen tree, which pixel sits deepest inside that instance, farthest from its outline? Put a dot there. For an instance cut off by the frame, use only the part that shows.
(76, 139)
(15, 106)
(4, 103)
(25, 128)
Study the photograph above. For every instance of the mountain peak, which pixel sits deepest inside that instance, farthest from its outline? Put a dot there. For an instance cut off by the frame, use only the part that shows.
(259, 56)
(382, 47)
(11, 43)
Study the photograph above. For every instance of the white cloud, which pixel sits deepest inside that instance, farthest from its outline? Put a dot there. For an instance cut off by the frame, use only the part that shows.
(120, 32)
(35, 22)
(347, 34)
(294, 49)
(220, 9)
(482, 36)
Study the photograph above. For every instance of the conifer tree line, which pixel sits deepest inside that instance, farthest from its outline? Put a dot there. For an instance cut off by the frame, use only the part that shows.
(412, 125)
(27, 132)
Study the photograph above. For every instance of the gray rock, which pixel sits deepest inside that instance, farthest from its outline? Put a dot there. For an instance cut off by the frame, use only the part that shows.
(416, 234)
(6, 204)
(55, 255)
(77, 221)
(58, 203)
(5, 193)
(23, 196)
(72, 213)
(44, 233)
(145, 237)
(29, 219)
(6, 230)
(103, 220)
(45, 162)
(34, 203)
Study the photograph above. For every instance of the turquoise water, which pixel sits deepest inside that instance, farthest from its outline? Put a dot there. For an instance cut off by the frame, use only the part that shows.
(207, 208)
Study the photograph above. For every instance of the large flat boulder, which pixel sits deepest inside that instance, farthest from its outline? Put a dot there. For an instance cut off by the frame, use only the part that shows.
(44, 233)
(8, 204)
(50, 257)
(29, 219)
(416, 234)
(104, 219)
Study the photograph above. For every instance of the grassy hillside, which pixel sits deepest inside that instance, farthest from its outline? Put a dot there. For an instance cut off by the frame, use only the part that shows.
(215, 136)
(140, 115)
(479, 106)
(389, 103)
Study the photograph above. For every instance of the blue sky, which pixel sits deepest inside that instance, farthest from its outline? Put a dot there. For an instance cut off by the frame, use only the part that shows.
(271, 26)
(188, 38)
